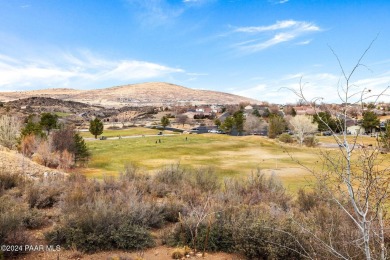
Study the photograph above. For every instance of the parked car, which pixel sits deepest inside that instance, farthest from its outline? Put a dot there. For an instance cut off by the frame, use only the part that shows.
(343, 144)
(103, 137)
(327, 133)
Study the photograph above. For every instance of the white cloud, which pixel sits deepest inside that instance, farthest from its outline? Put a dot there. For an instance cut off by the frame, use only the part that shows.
(162, 12)
(277, 26)
(130, 70)
(304, 42)
(251, 92)
(278, 1)
(318, 85)
(80, 70)
(155, 12)
(283, 31)
(278, 38)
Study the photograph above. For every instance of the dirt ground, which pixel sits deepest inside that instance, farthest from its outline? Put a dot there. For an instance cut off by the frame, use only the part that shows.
(160, 252)
(157, 253)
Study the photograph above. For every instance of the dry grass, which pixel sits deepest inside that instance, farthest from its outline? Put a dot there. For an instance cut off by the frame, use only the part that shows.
(228, 155)
(361, 139)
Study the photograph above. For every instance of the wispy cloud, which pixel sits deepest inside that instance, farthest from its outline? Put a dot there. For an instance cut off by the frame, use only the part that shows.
(281, 31)
(156, 12)
(304, 42)
(273, 27)
(80, 70)
(278, 1)
(162, 12)
(323, 85)
(256, 91)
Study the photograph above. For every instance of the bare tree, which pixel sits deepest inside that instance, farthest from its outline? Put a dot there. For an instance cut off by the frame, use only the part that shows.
(182, 119)
(196, 217)
(29, 145)
(354, 172)
(302, 126)
(65, 159)
(274, 109)
(9, 130)
(253, 124)
(44, 153)
(123, 118)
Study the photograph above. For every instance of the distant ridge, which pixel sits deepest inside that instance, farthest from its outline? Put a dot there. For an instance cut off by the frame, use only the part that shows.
(142, 94)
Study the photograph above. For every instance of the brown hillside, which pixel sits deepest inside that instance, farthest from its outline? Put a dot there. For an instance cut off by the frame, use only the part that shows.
(143, 94)
(15, 163)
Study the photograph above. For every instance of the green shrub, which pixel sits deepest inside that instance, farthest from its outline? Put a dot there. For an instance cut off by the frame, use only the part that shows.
(285, 138)
(206, 180)
(11, 217)
(43, 195)
(310, 141)
(101, 229)
(33, 218)
(306, 200)
(105, 216)
(172, 175)
(9, 180)
(171, 210)
(131, 172)
(267, 239)
(168, 180)
(12, 231)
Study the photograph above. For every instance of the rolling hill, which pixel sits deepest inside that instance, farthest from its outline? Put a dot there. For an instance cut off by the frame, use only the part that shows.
(143, 94)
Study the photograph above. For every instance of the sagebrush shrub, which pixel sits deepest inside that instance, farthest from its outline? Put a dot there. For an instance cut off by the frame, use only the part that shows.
(310, 141)
(285, 138)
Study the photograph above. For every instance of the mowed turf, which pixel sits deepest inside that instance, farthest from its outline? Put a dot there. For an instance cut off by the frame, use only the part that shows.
(228, 155)
(126, 132)
(360, 139)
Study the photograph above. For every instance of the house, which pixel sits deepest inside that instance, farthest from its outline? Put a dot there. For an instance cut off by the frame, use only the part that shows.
(356, 129)
(248, 107)
(305, 110)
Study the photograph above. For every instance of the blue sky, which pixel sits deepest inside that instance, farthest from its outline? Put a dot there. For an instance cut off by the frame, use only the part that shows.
(254, 48)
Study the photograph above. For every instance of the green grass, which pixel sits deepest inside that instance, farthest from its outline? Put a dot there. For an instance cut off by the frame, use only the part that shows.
(127, 132)
(228, 155)
(62, 114)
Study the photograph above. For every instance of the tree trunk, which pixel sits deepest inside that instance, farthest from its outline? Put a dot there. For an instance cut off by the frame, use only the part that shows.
(366, 239)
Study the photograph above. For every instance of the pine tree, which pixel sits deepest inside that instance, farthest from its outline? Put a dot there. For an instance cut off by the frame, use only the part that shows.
(81, 152)
(165, 121)
(370, 120)
(31, 128)
(48, 121)
(96, 127)
(385, 137)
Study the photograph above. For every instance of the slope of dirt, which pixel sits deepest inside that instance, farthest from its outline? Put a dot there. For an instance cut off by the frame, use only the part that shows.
(13, 162)
(143, 94)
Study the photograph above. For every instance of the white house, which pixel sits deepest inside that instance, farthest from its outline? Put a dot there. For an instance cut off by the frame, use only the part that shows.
(356, 129)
